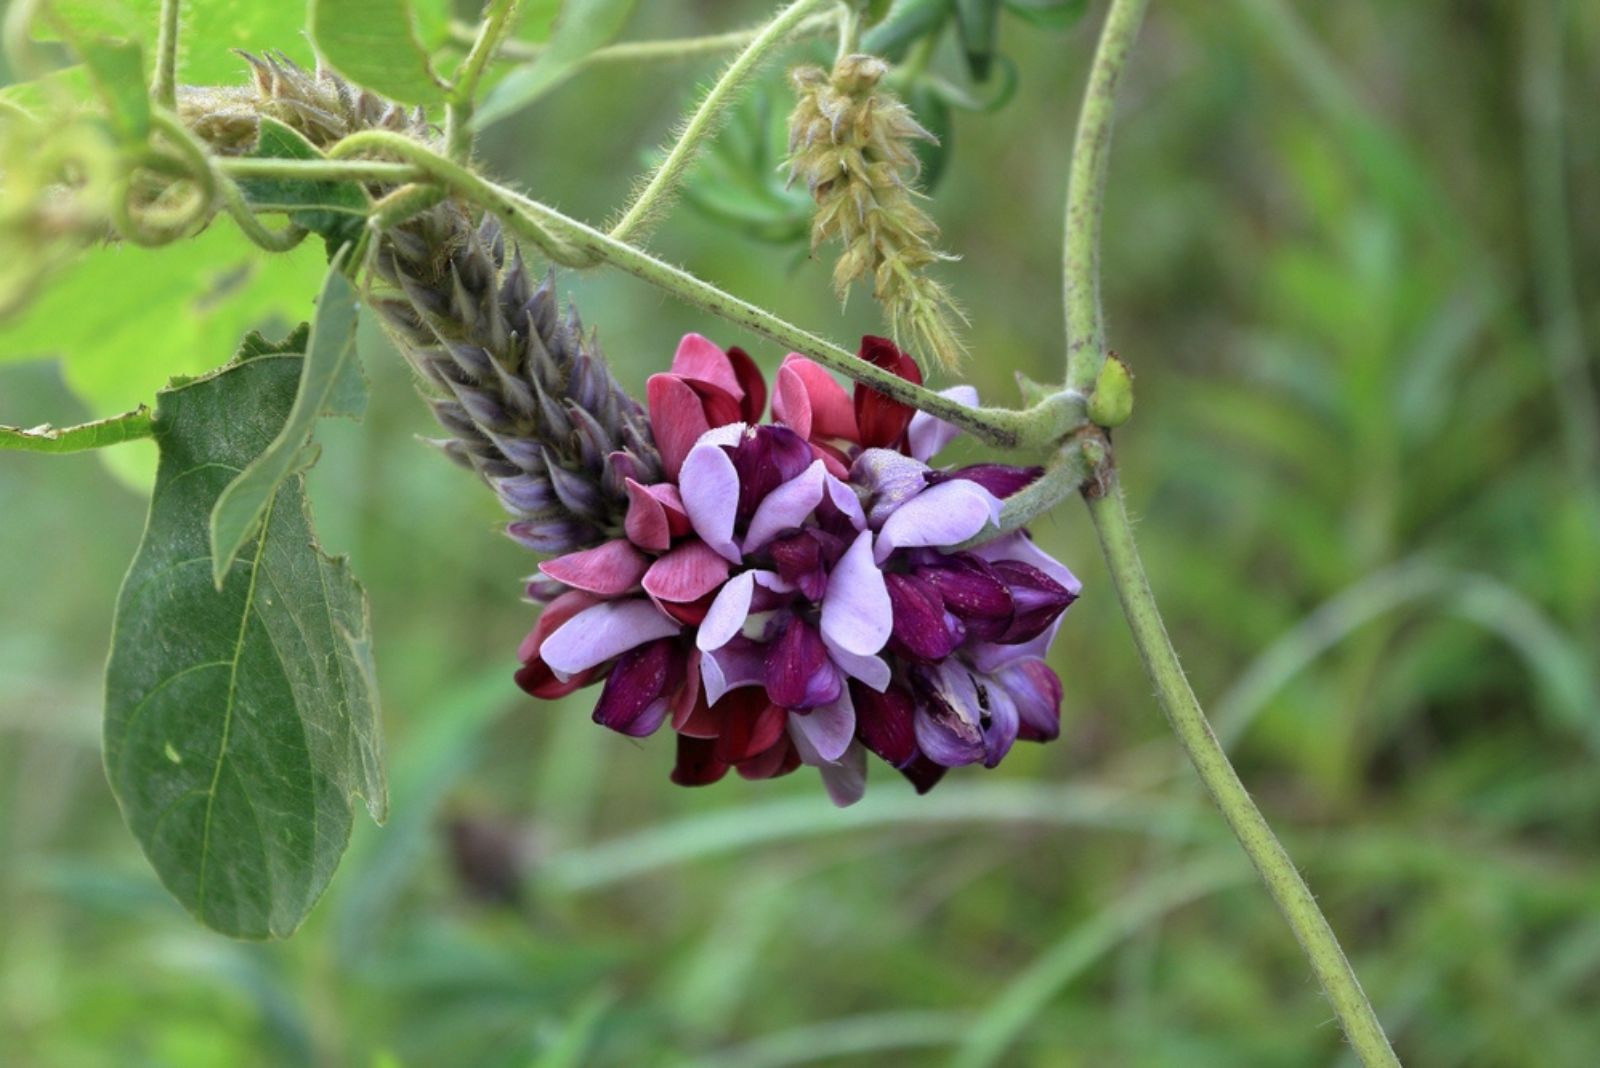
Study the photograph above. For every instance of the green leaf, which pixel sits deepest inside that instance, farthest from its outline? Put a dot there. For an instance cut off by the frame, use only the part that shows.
(907, 21)
(1051, 14)
(130, 426)
(979, 23)
(212, 30)
(335, 210)
(240, 724)
(933, 112)
(125, 319)
(582, 27)
(375, 43)
(325, 385)
(117, 70)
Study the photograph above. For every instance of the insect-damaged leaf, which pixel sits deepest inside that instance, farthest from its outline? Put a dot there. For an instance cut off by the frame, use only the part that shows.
(241, 724)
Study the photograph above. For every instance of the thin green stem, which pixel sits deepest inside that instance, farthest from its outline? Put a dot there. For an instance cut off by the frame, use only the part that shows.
(321, 170)
(1063, 476)
(849, 29)
(572, 243)
(1277, 871)
(464, 92)
(672, 48)
(165, 85)
(1008, 429)
(646, 206)
(1086, 180)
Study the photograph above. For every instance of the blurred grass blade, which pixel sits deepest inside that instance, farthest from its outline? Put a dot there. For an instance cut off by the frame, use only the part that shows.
(571, 1047)
(582, 27)
(131, 426)
(1006, 1017)
(721, 832)
(375, 44)
(846, 1036)
(330, 384)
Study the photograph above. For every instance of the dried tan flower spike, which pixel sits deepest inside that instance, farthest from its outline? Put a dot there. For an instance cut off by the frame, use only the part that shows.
(851, 141)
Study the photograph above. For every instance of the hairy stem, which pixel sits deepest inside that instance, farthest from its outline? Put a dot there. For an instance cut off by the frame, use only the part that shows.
(463, 94)
(1194, 733)
(1086, 181)
(1086, 355)
(707, 118)
(572, 243)
(321, 170)
(165, 85)
(648, 51)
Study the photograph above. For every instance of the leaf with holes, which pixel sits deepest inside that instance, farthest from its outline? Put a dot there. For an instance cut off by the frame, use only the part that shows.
(242, 724)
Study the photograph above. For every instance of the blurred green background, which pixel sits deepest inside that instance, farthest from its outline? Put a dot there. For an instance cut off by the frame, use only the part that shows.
(1352, 253)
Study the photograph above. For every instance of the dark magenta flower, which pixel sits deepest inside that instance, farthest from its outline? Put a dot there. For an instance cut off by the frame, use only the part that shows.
(791, 593)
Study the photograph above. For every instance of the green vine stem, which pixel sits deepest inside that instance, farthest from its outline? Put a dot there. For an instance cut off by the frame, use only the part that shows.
(570, 242)
(1188, 721)
(672, 48)
(1086, 183)
(654, 194)
(464, 91)
(1086, 355)
(165, 85)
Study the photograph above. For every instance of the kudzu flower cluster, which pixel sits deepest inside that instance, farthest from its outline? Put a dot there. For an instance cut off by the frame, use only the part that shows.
(790, 593)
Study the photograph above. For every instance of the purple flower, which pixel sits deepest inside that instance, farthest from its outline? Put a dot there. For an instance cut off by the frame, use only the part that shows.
(798, 593)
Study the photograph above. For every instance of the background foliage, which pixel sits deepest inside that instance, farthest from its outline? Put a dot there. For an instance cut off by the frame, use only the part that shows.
(1335, 260)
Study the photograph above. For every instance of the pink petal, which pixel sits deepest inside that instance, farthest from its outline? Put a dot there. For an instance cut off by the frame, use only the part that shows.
(646, 523)
(812, 402)
(699, 358)
(677, 419)
(608, 570)
(601, 632)
(687, 573)
(856, 615)
(927, 434)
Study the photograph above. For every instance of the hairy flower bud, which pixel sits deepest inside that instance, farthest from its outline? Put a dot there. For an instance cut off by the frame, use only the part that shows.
(850, 142)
